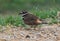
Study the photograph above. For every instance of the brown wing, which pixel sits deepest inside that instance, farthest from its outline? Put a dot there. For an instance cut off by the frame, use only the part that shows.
(31, 19)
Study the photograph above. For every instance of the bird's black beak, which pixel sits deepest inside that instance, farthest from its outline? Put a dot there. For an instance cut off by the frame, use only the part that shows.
(20, 13)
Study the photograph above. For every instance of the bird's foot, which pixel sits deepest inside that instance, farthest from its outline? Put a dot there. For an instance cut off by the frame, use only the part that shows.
(36, 29)
(28, 28)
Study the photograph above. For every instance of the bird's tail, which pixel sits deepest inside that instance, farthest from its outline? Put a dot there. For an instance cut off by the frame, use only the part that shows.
(44, 22)
(41, 21)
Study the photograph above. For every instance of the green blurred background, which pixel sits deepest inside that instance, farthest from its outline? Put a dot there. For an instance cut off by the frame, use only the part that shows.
(9, 10)
(16, 5)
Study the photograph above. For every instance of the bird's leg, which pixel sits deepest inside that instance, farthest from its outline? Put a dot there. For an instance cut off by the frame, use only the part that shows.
(35, 27)
(31, 26)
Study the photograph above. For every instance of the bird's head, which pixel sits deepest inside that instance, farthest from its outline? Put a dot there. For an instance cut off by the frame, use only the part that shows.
(23, 13)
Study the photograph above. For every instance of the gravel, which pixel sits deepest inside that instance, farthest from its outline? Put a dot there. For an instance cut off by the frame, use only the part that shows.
(45, 33)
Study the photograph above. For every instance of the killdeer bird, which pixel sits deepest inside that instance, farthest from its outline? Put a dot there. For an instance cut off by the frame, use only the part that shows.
(31, 19)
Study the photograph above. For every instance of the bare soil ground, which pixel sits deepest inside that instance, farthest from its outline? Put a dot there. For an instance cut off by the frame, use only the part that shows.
(45, 33)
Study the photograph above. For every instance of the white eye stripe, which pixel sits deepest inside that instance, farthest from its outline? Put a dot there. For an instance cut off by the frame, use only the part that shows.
(23, 15)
